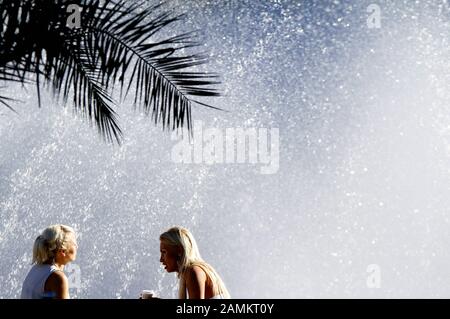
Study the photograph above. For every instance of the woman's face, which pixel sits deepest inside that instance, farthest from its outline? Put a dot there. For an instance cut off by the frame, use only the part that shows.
(69, 253)
(169, 256)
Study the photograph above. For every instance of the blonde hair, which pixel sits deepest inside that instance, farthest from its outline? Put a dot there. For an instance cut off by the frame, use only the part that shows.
(180, 236)
(52, 239)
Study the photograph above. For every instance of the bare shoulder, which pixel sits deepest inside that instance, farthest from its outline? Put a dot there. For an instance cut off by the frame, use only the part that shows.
(195, 279)
(195, 273)
(57, 279)
(57, 282)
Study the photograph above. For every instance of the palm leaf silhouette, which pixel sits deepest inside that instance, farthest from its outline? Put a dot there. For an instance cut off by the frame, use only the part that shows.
(113, 44)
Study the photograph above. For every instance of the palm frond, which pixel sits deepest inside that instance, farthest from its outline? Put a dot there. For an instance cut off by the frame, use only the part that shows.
(162, 86)
(4, 99)
(92, 99)
(114, 42)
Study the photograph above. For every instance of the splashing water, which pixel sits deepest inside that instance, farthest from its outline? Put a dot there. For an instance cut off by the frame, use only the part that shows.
(364, 122)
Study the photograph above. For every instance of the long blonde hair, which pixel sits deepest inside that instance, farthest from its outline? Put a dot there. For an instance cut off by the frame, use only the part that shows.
(52, 239)
(190, 256)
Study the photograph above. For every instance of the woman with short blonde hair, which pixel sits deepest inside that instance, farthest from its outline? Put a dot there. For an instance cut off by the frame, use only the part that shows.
(198, 279)
(55, 247)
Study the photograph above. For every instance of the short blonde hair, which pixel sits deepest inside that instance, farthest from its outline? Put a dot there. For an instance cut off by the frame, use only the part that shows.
(182, 237)
(52, 239)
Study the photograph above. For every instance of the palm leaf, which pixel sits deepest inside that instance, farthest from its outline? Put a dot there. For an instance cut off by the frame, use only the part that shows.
(114, 42)
(162, 86)
(4, 99)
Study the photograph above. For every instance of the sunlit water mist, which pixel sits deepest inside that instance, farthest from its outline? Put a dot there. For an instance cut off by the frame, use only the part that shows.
(364, 162)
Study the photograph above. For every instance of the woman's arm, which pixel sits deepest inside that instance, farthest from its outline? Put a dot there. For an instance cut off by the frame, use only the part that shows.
(195, 282)
(57, 283)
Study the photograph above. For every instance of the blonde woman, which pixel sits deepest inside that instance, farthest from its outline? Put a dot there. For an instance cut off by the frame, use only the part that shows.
(198, 279)
(55, 247)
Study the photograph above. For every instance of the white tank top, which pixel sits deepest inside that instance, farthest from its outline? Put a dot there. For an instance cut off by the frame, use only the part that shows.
(33, 285)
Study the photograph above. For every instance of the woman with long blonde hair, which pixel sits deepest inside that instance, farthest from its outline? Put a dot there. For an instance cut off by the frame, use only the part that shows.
(198, 279)
(55, 247)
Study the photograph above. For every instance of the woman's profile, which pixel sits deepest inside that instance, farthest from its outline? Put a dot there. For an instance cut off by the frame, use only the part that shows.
(55, 247)
(198, 279)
